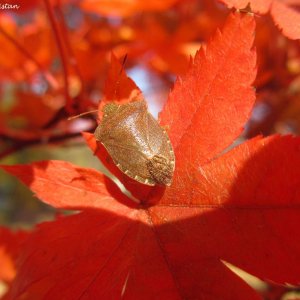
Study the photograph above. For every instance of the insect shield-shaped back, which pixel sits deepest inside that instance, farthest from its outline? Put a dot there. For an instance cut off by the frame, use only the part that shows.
(137, 144)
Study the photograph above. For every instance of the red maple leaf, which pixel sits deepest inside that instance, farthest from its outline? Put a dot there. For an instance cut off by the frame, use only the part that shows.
(240, 207)
(285, 13)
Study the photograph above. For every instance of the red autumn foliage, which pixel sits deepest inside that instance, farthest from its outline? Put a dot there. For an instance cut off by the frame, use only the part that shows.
(285, 13)
(124, 8)
(10, 247)
(220, 207)
(229, 202)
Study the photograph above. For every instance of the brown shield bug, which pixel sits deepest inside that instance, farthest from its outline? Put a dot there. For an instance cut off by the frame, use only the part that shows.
(138, 145)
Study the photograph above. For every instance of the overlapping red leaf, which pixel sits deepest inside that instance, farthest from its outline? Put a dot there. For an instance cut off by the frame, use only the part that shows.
(285, 13)
(10, 246)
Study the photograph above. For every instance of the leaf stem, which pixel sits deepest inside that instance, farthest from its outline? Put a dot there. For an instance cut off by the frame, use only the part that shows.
(70, 51)
(63, 59)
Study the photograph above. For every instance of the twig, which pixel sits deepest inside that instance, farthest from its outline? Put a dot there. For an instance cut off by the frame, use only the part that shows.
(19, 145)
(46, 74)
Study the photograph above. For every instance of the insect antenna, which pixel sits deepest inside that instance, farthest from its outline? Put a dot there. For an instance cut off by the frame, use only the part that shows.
(123, 63)
(117, 84)
(83, 114)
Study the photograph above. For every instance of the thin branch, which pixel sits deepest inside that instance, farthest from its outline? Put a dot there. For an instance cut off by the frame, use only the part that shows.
(46, 74)
(20, 145)
(60, 47)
